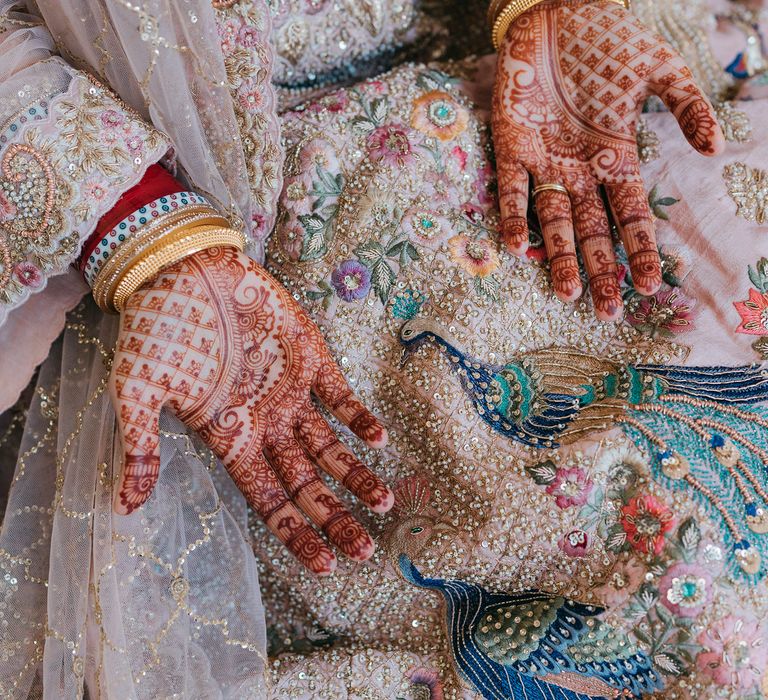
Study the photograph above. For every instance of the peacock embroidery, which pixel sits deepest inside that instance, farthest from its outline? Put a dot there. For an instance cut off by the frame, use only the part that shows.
(536, 645)
(527, 644)
(704, 428)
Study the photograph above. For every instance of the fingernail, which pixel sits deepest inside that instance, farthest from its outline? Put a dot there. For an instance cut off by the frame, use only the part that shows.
(385, 504)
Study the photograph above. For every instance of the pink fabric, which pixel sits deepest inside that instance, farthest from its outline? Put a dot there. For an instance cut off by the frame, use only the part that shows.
(721, 244)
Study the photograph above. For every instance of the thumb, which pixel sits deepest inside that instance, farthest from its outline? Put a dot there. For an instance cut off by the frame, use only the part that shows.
(691, 108)
(137, 401)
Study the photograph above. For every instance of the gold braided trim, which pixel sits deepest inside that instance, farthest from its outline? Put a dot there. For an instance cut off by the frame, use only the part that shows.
(502, 13)
(181, 245)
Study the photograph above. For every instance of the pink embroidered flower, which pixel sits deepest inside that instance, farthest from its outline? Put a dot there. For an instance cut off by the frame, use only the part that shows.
(228, 34)
(378, 86)
(754, 314)
(461, 156)
(472, 212)
(111, 118)
(335, 102)
(258, 221)
(296, 194)
(439, 115)
(250, 97)
(570, 487)
(685, 589)
(390, 144)
(134, 144)
(28, 274)
(622, 272)
(248, 36)
(312, 7)
(735, 652)
(646, 520)
(95, 190)
(7, 208)
(478, 257)
(668, 310)
(627, 576)
(427, 684)
(486, 185)
(351, 280)
(575, 544)
(318, 153)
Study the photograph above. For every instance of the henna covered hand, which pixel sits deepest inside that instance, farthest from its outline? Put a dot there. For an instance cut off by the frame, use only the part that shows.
(222, 344)
(570, 81)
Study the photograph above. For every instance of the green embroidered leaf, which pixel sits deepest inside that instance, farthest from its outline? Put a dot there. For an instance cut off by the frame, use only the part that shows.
(656, 203)
(314, 244)
(372, 255)
(542, 473)
(382, 278)
(641, 636)
(617, 539)
(379, 110)
(487, 287)
(669, 663)
(434, 80)
(362, 125)
(648, 595)
(369, 252)
(758, 275)
(689, 536)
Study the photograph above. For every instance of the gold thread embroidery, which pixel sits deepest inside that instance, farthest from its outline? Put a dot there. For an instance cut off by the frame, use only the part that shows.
(748, 187)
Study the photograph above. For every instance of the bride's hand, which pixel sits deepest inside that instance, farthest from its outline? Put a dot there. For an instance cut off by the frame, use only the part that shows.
(224, 346)
(571, 80)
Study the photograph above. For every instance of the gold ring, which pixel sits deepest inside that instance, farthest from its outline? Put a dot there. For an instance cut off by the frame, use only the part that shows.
(553, 187)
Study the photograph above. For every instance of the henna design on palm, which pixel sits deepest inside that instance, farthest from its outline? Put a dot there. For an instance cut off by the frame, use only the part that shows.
(570, 81)
(222, 344)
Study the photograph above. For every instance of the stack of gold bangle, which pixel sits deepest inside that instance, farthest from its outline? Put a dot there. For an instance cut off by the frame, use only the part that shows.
(502, 13)
(160, 243)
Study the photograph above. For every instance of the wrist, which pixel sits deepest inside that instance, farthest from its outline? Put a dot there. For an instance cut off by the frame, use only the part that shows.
(503, 13)
(153, 225)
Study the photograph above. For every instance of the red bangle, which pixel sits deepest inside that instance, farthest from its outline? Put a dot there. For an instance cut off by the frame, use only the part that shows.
(157, 182)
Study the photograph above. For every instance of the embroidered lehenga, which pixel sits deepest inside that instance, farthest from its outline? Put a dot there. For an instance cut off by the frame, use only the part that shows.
(352, 141)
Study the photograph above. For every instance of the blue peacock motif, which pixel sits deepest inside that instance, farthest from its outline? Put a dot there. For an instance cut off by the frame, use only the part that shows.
(705, 428)
(536, 645)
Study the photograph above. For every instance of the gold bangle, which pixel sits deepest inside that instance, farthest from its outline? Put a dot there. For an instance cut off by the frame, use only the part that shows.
(550, 187)
(501, 18)
(146, 238)
(193, 241)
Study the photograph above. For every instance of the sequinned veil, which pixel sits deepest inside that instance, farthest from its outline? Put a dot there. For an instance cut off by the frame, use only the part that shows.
(165, 602)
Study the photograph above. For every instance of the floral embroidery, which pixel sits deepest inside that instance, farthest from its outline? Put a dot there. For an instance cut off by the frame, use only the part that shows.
(646, 520)
(754, 311)
(685, 589)
(244, 30)
(735, 652)
(425, 685)
(390, 144)
(666, 313)
(58, 176)
(407, 304)
(570, 487)
(478, 257)
(576, 543)
(351, 280)
(748, 188)
(438, 115)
